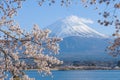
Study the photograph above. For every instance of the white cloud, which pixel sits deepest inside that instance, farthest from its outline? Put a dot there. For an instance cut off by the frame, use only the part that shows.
(81, 19)
(85, 20)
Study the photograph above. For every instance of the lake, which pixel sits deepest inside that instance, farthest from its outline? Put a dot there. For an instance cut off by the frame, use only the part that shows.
(78, 75)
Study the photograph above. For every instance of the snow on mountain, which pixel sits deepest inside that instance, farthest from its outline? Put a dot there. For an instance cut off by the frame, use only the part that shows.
(73, 26)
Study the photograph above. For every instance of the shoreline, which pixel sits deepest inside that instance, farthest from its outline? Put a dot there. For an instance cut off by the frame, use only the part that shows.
(64, 68)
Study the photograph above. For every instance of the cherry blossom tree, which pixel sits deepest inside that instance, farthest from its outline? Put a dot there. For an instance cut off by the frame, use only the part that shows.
(17, 46)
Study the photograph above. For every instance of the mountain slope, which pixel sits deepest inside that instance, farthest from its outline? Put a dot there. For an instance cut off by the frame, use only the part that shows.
(76, 48)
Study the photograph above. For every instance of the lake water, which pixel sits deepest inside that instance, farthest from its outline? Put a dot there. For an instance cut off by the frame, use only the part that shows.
(78, 75)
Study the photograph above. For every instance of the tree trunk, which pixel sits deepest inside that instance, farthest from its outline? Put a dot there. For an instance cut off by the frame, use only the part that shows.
(16, 78)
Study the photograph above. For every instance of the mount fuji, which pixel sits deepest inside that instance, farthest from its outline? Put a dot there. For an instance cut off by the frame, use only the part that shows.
(80, 42)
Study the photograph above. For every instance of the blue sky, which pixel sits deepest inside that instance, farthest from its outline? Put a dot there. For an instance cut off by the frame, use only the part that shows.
(31, 13)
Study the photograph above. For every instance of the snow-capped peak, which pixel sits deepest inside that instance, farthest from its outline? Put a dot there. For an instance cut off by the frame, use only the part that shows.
(73, 26)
